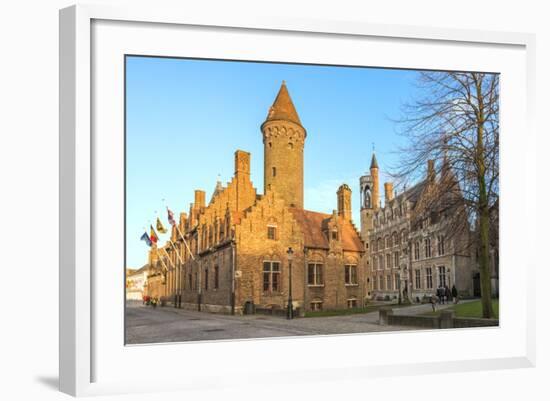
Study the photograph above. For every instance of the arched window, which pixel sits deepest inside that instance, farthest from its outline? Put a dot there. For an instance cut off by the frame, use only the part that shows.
(367, 198)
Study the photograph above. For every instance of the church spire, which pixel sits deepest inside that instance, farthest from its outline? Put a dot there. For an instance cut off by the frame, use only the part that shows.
(283, 108)
(373, 162)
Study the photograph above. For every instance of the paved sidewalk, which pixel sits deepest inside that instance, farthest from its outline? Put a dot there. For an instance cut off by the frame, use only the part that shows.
(168, 324)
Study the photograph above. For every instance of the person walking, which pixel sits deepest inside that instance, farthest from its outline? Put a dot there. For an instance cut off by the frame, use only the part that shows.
(433, 301)
(447, 294)
(454, 293)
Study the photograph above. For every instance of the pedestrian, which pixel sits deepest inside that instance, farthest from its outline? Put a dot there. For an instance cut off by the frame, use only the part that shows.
(454, 293)
(447, 294)
(440, 294)
(433, 301)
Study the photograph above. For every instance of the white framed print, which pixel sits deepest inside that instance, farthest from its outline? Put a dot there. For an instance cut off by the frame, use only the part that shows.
(263, 189)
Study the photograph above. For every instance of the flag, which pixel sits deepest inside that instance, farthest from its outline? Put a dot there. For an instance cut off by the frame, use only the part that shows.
(153, 236)
(160, 227)
(146, 238)
(171, 217)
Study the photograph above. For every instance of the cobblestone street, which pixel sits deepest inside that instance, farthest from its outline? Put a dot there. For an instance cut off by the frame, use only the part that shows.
(166, 324)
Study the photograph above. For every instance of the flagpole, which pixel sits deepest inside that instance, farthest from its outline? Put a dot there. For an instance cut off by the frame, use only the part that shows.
(185, 242)
(182, 236)
(177, 253)
(162, 261)
(179, 272)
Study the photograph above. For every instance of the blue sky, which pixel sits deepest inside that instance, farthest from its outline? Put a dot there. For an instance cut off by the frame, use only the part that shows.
(185, 119)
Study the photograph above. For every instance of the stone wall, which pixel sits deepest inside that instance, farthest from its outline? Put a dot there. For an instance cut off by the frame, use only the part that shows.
(446, 320)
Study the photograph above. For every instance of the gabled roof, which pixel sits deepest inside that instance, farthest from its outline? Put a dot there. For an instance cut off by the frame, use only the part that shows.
(314, 225)
(217, 191)
(413, 194)
(142, 269)
(283, 108)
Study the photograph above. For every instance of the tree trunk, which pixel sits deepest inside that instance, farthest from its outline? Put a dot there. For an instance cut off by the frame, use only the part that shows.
(485, 276)
(484, 269)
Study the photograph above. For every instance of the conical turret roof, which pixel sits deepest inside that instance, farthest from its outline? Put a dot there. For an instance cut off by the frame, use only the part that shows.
(373, 162)
(283, 108)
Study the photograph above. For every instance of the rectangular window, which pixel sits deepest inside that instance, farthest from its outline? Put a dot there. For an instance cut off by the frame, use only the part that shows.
(396, 259)
(271, 273)
(416, 251)
(397, 281)
(428, 248)
(271, 232)
(315, 274)
(442, 276)
(388, 282)
(417, 279)
(381, 282)
(352, 303)
(316, 305)
(388, 261)
(206, 279)
(350, 274)
(381, 262)
(429, 280)
(441, 245)
(216, 277)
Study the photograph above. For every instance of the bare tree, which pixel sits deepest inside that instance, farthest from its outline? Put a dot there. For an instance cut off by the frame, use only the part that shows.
(456, 121)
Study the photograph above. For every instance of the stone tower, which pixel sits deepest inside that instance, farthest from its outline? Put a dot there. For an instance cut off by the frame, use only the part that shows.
(284, 138)
(344, 201)
(370, 198)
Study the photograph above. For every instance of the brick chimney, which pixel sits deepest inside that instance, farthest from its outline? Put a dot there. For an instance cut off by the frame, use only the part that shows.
(388, 191)
(242, 163)
(200, 199)
(344, 201)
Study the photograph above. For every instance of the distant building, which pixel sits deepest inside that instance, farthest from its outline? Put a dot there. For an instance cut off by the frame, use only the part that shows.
(136, 281)
(234, 257)
(415, 243)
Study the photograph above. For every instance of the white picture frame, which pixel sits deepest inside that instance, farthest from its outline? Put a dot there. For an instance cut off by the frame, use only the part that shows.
(81, 346)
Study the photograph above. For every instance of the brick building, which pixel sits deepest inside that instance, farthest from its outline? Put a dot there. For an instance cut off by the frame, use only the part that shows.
(234, 257)
(415, 241)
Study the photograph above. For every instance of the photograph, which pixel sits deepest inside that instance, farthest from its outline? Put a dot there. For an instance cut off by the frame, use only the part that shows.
(274, 199)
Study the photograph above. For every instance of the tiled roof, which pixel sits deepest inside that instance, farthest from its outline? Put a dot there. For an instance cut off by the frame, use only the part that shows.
(283, 108)
(413, 193)
(314, 225)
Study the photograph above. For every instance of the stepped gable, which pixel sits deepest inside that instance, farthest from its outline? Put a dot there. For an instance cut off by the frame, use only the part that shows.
(314, 224)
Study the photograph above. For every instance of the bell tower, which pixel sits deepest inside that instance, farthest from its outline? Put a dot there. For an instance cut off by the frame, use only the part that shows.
(284, 137)
(370, 198)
